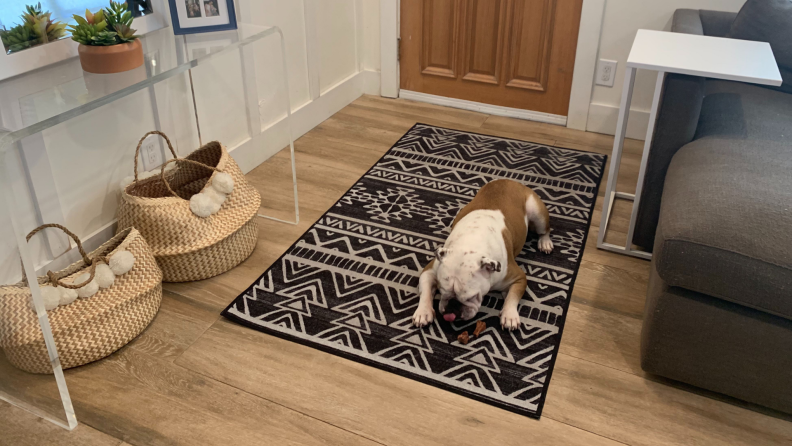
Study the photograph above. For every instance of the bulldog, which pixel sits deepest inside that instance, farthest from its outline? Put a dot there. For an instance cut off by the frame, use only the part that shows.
(478, 256)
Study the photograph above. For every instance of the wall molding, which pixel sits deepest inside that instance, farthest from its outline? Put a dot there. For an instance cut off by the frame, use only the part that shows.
(389, 48)
(602, 118)
(254, 151)
(484, 108)
(586, 56)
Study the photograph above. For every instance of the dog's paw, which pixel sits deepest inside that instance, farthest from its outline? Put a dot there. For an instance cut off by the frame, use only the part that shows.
(545, 244)
(510, 318)
(424, 315)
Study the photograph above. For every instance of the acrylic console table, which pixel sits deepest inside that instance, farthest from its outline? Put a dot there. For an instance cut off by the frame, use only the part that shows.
(67, 138)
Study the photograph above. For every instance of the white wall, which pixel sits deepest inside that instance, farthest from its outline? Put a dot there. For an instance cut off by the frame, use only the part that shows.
(330, 44)
(621, 21)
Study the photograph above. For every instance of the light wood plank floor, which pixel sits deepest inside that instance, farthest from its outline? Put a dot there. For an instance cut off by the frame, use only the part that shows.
(193, 378)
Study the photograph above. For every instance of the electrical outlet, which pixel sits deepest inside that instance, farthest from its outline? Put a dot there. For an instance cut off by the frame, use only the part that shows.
(606, 72)
(150, 154)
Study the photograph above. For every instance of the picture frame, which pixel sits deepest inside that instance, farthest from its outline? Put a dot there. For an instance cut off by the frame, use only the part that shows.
(201, 16)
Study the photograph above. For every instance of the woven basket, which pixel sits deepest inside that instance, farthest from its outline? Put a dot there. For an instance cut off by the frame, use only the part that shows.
(87, 329)
(188, 247)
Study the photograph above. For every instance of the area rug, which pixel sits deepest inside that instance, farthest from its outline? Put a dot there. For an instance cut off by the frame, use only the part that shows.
(348, 286)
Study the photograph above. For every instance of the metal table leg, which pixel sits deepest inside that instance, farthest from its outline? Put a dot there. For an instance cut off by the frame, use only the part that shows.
(618, 146)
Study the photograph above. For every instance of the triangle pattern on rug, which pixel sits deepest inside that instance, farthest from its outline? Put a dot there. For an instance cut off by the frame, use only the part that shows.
(347, 284)
(407, 355)
(293, 270)
(355, 321)
(368, 305)
(415, 339)
(311, 290)
(298, 304)
(480, 357)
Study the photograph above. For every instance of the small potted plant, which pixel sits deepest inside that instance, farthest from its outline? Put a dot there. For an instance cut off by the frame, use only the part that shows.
(108, 44)
(36, 28)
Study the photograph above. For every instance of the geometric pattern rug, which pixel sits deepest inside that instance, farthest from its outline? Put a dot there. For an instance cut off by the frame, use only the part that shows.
(348, 286)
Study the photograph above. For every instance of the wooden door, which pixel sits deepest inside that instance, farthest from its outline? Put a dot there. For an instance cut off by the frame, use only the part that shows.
(513, 53)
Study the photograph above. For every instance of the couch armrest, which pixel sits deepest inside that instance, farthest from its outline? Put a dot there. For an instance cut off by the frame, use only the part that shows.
(677, 120)
(687, 21)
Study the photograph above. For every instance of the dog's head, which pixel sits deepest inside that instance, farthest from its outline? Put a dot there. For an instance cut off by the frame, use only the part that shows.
(463, 279)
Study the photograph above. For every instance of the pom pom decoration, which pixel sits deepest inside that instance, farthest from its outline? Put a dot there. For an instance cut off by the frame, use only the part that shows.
(215, 195)
(104, 276)
(51, 297)
(201, 205)
(88, 290)
(121, 262)
(223, 182)
(67, 296)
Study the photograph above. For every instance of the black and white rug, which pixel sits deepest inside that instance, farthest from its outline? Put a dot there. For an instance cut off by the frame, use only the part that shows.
(348, 285)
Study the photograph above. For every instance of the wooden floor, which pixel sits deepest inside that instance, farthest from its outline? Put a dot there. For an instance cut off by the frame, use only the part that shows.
(193, 378)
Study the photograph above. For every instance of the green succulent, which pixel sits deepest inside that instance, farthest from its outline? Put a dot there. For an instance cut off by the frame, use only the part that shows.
(118, 14)
(17, 38)
(109, 26)
(37, 27)
(104, 38)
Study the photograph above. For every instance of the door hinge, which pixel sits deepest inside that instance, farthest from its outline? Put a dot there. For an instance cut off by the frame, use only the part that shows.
(398, 49)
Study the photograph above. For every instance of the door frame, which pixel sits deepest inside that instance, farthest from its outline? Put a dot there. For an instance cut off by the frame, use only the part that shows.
(585, 57)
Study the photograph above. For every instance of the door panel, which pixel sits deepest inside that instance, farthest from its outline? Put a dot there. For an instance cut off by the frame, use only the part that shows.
(483, 40)
(530, 43)
(440, 26)
(514, 53)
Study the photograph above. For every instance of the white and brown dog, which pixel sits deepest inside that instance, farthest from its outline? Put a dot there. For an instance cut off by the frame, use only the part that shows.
(486, 235)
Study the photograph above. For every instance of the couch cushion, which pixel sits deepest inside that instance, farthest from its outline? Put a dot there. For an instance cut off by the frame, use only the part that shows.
(768, 21)
(726, 222)
(744, 111)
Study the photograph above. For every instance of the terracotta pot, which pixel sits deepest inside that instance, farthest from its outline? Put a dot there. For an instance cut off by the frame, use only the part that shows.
(111, 59)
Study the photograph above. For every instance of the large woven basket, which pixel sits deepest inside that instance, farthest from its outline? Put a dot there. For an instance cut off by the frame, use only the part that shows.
(87, 329)
(188, 247)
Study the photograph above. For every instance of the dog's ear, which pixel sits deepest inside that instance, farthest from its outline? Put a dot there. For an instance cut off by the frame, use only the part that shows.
(490, 265)
(440, 253)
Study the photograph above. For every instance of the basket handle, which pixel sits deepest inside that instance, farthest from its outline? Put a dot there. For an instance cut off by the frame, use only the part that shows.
(182, 160)
(140, 143)
(87, 260)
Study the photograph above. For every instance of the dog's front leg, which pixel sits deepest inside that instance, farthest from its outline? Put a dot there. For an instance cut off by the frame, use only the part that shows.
(510, 315)
(427, 284)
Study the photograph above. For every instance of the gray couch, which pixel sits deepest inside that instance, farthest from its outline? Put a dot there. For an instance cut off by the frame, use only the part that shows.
(717, 212)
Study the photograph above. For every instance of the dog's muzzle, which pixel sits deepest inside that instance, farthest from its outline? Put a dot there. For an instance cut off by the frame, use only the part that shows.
(453, 311)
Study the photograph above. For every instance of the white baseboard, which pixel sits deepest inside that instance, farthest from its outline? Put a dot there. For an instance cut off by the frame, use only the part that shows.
(602, 119)
(484, 108)
(258, 149)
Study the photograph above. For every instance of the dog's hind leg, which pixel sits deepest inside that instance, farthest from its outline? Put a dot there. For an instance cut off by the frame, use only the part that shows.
(539, 220)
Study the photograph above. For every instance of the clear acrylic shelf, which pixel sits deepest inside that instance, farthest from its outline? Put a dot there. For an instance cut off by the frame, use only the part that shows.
(67, 138)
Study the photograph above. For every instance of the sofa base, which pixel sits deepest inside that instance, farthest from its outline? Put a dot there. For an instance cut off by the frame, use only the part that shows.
(717, 345)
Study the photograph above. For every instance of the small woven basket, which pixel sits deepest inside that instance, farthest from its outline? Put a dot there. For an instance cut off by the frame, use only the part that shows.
(87, 329)
(188, 247)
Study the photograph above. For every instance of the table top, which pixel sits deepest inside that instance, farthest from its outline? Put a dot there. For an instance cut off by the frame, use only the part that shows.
(696, 55)
(71, 92)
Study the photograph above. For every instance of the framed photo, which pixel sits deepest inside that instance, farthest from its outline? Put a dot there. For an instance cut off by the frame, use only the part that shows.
(201, 16)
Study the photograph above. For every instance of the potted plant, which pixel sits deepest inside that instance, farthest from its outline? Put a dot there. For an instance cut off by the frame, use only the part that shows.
(36, 28)
(108, 44)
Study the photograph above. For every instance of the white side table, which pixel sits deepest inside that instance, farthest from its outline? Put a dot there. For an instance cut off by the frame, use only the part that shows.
(667, 52)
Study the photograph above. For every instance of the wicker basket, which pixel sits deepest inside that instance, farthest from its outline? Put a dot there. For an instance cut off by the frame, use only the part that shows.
(87, 329)
(188, 247)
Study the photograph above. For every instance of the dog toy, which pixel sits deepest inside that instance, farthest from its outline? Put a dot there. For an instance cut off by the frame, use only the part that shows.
(464, 338)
